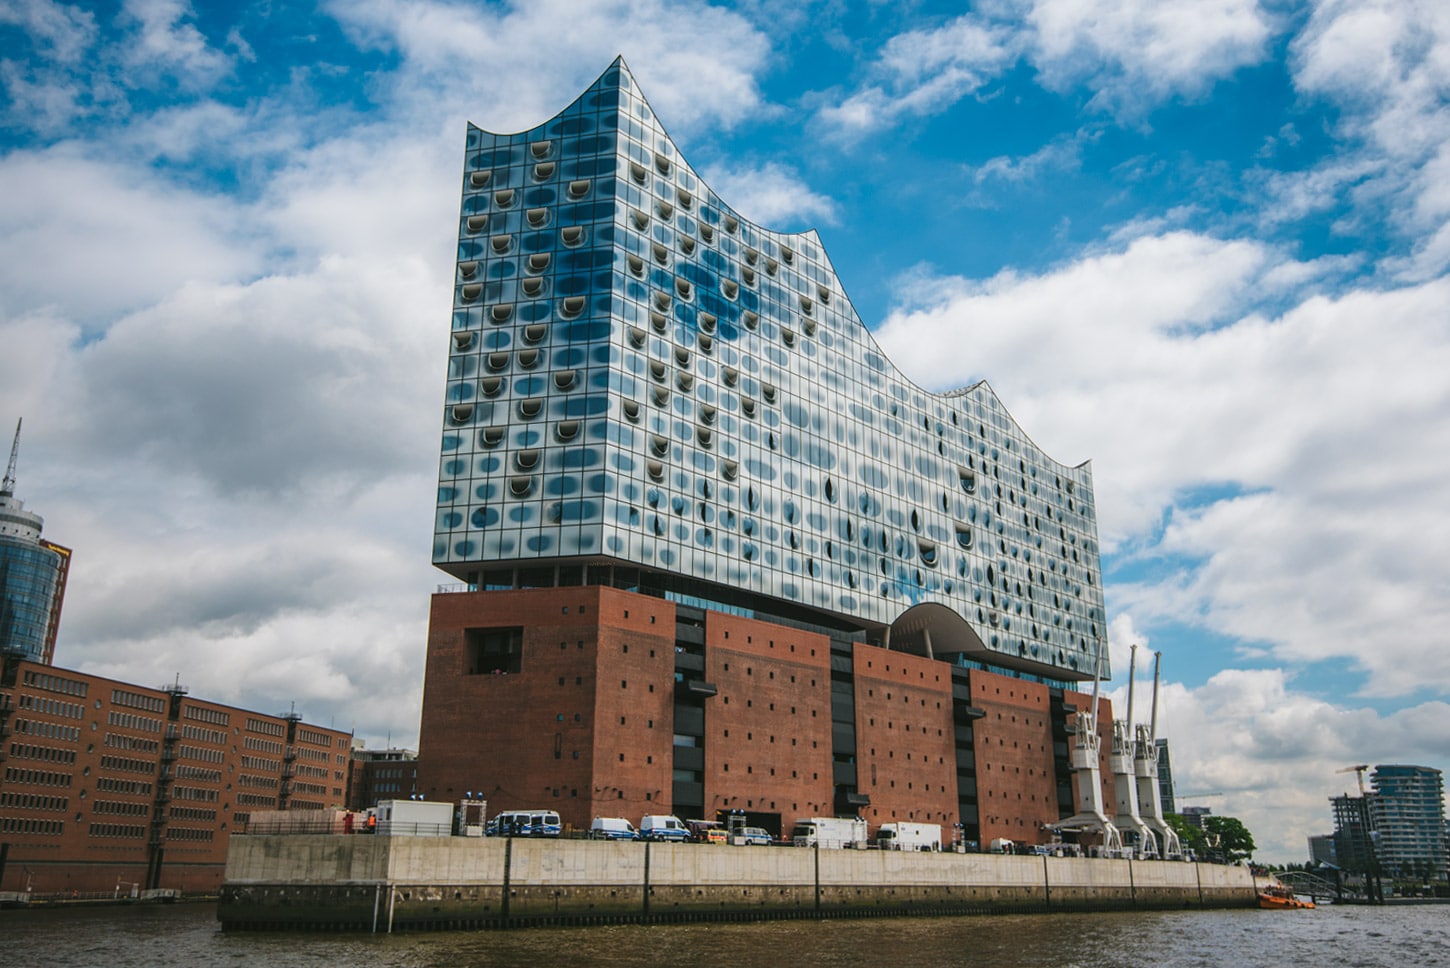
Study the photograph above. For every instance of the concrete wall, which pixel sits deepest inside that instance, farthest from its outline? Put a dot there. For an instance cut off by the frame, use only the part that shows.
(421, 882)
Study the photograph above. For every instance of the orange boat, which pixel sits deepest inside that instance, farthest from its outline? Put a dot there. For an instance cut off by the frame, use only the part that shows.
(1277, 897)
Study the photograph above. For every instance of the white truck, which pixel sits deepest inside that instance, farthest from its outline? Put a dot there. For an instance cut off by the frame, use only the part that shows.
(831, 832)
(902, 835)
(414, 818)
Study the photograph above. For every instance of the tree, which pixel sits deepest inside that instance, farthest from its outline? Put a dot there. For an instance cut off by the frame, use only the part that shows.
(1230, 837)
(1188, 835)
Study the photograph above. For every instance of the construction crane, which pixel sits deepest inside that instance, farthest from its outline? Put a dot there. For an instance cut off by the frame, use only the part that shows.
(1358, 772)
(1196, 796)
(7, 485)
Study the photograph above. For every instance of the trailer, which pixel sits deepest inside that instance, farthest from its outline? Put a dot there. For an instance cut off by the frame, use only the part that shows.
(830, 832)
(902, 835)
(414, 818)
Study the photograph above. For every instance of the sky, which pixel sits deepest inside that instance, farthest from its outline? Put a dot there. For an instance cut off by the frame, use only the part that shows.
(1204, 244)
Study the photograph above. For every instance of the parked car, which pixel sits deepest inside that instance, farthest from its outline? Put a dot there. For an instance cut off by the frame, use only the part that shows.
(756, 836)
(612, 828)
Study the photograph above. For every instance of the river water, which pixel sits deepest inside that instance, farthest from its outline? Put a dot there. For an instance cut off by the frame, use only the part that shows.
(187, 935)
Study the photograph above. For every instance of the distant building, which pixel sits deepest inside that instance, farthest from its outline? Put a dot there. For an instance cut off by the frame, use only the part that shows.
(105, 784)
(32, 575)
(1321, 850)
(390, 774)
(1410, 820)
(1193, 816)
(1165, 779)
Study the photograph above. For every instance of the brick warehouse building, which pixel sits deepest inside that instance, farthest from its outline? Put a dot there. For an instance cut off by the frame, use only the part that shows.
(713, 552)
(106, 785)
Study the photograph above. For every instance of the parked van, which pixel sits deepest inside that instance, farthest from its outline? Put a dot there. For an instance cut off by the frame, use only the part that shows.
(663, 827)
(525, 823)
(612, 828)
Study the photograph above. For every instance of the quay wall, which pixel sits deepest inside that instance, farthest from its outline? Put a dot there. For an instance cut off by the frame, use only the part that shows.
(382, 883)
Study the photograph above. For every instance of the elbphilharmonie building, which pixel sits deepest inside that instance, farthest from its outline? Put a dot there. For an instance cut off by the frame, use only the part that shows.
(648, 393)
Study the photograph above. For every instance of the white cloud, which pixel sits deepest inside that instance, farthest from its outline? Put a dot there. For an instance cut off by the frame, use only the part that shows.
(772, 195)
(166, 45)
(63, 32)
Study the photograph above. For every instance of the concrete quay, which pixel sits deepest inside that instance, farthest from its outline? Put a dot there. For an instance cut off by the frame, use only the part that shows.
(397, 883)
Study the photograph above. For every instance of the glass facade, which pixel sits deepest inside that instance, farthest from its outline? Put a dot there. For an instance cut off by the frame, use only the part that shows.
(28, 576)
(640, 377)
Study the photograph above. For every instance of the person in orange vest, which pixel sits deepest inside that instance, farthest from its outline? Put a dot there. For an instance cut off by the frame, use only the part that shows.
(372, 823)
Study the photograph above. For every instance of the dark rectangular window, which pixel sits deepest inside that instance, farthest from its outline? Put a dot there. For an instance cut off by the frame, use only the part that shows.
(494, 651)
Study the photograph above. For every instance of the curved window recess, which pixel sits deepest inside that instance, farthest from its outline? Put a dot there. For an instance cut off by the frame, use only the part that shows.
(491, 436)
(504, 197)
(526, 460)
(685, 381)
(685, 199)
(564, 379)
(535, 333)
(521, 486)
(747, 407)
(541, 149)
(489, 386)
(630, 408)
(731, 375)
(555, 513)
(915, 520)
(683, 288)
(661, 254)
(538, 262)
(641, 220)
(659, 445)
(830, 489)
(731, 469)
(732, 224)
(658, 321)
(729, 288)
(461, 412)
(662, 396)
(807, 306)
(478, 179)
(655, 469)
(528, 359)
(502, 243)
(579, 188)
(638, 172)
(532, 285)
(537, 217)
(705, 436)
(657, 370)
(571, 234)
(706, 322)
(571, 306)
(787, 336)
(707, 232)
(498, 361)
(751, 319)
(747, 276)
(636, 337)
(707, 344)
(687, 245)
(502, 312)
(964, 535)
(809, 325)
(662, 301)
(666, 210)
(662, 163)
(787, 254)
(462, 341)
(544, 170)
(968, 480)
(636, 266)
(767, 391)
(771, 266)
(682, 356)
(823, 294)
(467, 269)
(751, 256)
(477, 223)
(531, 408)
(707, 414)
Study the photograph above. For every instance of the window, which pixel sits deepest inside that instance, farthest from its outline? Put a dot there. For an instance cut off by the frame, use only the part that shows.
(496, 651)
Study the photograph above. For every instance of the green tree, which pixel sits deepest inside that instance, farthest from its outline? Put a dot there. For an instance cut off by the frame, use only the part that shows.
(1230, 837)
(1188, 835)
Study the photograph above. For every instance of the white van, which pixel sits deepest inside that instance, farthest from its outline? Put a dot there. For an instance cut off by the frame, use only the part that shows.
(612, 828)
(663, 827)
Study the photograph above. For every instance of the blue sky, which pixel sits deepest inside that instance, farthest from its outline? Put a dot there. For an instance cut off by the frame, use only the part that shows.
(1202, 243)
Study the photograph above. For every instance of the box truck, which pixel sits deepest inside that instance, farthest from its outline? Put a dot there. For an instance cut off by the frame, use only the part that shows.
(832, 832)
(902, 835)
